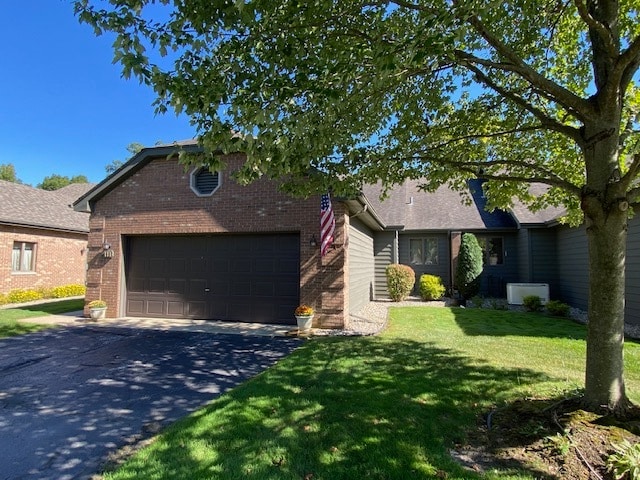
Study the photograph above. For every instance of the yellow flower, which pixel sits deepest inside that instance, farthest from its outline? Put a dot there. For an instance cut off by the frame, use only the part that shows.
(304, 310)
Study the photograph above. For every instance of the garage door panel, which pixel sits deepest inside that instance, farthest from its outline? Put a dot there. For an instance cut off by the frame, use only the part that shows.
(219, 287)
(177, 286)
(157, 285)
(136, 285)
(241, 310)
(178, 266)
(263, 289)
(287, 288)
(222, 266)
(197, 287)
(155, 307)
(175, 309)
(223, 277)
(241, 266)
(262, 266)
(156, 266)
(135, 307)
(197, 310)
(288, 266)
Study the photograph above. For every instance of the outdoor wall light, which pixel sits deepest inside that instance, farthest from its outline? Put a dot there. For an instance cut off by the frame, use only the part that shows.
(313, 242)
(106, 250)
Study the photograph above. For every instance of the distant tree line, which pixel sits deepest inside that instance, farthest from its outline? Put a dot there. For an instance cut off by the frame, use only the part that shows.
(55, 181)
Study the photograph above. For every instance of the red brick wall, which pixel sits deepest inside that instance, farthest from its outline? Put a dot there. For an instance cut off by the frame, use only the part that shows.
(157, 199)
(60, 258)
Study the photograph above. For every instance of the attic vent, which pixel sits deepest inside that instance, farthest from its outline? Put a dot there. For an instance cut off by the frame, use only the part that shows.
(204, 182)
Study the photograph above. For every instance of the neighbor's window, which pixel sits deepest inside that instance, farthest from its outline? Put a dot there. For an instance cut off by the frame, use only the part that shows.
(23, 257)
(492, 250)
(423, 251)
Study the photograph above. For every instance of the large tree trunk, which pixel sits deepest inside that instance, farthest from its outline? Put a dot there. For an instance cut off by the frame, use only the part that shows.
(604, 376)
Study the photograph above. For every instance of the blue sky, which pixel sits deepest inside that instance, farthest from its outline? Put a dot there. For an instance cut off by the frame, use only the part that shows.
(64, 108)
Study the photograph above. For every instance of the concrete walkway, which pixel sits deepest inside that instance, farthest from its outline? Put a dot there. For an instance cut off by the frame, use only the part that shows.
(77, 319)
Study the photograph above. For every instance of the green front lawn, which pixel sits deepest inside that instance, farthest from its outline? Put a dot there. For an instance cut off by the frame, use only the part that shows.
(10, 324)
(387, 407)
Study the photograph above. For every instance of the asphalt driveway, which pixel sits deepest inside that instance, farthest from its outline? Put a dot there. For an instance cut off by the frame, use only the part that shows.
(69, 397)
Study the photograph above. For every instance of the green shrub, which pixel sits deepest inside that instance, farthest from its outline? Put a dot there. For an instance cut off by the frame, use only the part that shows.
(400, 281)
(73, 290)
(431, 287)
(625, 461)
(557, 308)
(3, 299)
(469, 266)
(499, 304)
(532, 303)
(477, 301)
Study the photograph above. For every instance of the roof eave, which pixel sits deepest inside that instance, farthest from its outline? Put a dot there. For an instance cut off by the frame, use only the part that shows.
(44, 227)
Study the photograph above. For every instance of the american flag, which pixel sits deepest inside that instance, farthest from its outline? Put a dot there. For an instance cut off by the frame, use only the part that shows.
(327, 224)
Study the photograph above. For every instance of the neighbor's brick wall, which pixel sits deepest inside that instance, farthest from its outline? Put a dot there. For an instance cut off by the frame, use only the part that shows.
(157, 199)
(60, 258)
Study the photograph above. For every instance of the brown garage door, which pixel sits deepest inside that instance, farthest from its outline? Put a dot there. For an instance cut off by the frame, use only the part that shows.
(248, 278)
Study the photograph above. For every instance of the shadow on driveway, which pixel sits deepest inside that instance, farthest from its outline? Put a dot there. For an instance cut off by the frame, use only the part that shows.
(71, 396)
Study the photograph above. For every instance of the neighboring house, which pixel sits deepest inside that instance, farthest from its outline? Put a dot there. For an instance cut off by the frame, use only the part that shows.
(174, 243)
(43, 241)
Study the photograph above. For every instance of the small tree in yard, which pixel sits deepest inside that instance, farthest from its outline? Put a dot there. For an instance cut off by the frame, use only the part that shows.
(336, 93)
(400, 281)
(469, 266)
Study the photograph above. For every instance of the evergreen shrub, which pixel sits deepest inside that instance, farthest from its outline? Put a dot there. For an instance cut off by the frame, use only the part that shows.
(469, 266)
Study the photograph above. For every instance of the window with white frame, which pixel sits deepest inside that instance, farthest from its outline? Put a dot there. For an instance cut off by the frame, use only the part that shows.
(423, 251)
(23, 257)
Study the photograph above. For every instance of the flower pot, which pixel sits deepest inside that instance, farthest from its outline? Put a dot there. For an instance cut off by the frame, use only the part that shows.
(98, 313)
(304, 322)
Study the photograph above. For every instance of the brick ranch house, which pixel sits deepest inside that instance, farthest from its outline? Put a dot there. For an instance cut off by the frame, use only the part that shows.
(43, 241)
(173, 243)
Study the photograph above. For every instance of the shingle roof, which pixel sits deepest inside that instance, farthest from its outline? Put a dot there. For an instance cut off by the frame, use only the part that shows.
(524, 216)
(443, 209)
(33, 207)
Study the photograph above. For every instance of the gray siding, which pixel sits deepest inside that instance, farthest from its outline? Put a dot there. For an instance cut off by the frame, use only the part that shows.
(544, 259)
(524, 258)
(573, 266)
(633, 272)
(442, 269)
(361, 265)
(385, 251)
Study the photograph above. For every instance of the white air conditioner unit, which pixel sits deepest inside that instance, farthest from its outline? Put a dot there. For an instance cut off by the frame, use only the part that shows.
(517, 291)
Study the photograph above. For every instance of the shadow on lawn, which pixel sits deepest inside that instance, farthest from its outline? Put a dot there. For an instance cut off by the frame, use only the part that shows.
(475, 321)
(337, 408)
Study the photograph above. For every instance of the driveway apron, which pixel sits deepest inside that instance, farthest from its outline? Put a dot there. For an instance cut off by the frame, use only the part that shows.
(69, 397)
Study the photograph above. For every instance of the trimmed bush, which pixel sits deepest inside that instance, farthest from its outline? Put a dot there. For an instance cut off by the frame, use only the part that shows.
(469, 266)
(499, 304)
(21, 296)
(477, 301)
(400, 281)
(557, 308)
(29, 295)
(431, 287)
(532, 303)
(73, 290)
